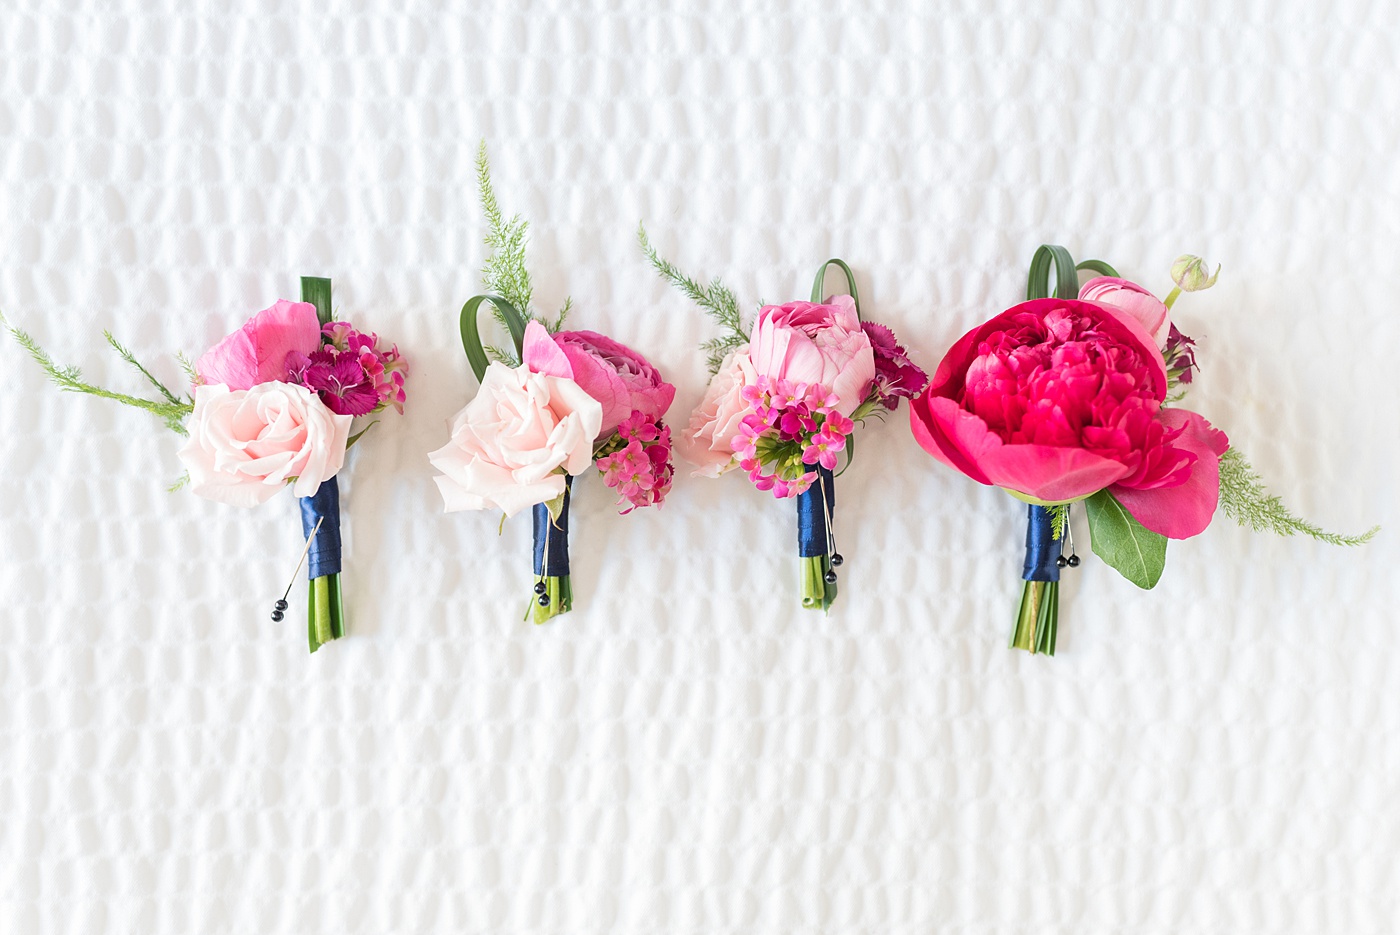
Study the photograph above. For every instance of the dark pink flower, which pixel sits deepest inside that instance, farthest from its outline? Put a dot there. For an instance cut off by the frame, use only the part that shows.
(622, 380)
(1057, 399)
(641, 470)
(896, 375)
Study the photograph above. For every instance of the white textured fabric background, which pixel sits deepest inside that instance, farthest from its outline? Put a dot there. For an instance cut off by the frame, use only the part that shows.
(689, 751)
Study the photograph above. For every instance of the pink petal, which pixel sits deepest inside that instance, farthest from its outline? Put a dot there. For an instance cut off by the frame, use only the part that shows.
(1186, 510)
(539, 352)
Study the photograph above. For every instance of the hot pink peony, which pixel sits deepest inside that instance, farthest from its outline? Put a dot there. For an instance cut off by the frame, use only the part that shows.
(257, 352)
(622, 380)
(1057, 399)
(816, 343)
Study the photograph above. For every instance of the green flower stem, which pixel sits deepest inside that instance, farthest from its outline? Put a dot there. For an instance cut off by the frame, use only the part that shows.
(560, 592)
(325, 615)
(816, 593)
(1038, 620)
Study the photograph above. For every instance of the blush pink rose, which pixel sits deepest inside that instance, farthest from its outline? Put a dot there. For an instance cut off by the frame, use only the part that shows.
(513, 443)
(257, 352)
(245, 445)
(1057, 400)
(1149, 311)
(622, 380)
(716, 421)
(816, 342)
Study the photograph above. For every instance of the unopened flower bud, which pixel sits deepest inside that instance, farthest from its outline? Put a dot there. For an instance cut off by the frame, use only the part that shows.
(1189, 273)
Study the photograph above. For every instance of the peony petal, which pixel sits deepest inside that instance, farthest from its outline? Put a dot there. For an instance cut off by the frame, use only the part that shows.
(1185, 510)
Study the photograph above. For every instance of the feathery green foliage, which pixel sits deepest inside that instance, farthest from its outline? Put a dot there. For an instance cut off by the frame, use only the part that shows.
(715, 299)
(1244, 499)
(505, 273)
(1059, 520)
(171, 410)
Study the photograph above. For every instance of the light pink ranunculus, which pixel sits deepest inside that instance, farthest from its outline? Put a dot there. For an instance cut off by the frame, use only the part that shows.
(1149, 311)
(257, 352)
(714, 423)
(622, 380)
(513, 443)
(245, 445)
(816, 342)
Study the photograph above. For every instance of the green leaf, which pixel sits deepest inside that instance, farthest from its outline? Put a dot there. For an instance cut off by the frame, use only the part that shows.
(317, 291)
(1119, 539)
(350, 443)
(1100, 267)
(1066, 279)
(819, 284)
(471, 330)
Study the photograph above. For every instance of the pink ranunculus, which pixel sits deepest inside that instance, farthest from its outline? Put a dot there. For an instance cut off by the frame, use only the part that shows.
(816, 342)
(513, 443)
(257, 352)
(622, 380)
(1057, 400)
(1149, 310)
(714, 423)
(245, 445)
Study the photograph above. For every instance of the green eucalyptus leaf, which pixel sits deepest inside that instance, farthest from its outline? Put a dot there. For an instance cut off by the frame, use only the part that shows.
(1138, 553)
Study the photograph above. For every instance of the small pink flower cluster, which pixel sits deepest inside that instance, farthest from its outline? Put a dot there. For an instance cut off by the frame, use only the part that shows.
(794, 428)
(641, 469)
(352, 375)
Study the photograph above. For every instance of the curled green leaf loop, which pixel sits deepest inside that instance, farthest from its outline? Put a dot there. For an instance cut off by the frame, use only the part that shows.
(1100, 267)
(317, 291)
(471, 333)
(819, 284)
(1049, 256)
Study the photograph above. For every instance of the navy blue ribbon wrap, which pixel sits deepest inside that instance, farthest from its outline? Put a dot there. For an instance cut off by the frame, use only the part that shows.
(1042, 549)
(812, 535)
(324, 556)
(552, 550)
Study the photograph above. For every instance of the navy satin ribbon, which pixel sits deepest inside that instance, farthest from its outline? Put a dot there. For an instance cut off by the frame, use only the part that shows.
(324, 557)
(1042, 549)
(811, 519)
(553, 562)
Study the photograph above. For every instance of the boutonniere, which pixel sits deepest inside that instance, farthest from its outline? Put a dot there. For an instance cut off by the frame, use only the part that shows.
(272, 406)
(552, 405)
(1071, 398)
(784, 399)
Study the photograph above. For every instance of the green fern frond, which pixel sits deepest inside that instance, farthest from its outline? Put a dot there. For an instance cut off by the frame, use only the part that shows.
(187, 365)
(130, 358)
(1059, 520)
(171, 410)
(502, 355)
(717, 301)
(504, 272)
(179, 484)
(1244, 499)
(559, 319)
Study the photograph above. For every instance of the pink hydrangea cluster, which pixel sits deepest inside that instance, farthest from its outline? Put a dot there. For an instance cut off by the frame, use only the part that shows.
(794, 429)
(638, 463)
(350, 372)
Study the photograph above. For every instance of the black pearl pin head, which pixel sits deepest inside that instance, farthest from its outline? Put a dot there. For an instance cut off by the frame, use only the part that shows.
(1061, 561)
(837, 559)
(539, 587)
(277, 616)
(544, 600)
(830, 577)
(1073, 561)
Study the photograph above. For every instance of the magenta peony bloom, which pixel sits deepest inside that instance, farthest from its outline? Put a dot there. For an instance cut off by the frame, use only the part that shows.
(257, 352)
(351, 375)
(1057, 399)
(896, 375)
(811, 342)
(622, 380)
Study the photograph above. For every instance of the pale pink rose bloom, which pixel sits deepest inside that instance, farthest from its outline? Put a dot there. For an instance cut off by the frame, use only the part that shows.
(714, 423)
(513, 443)
(257, 352)
(245, 445)
(1150, 311)
(816, 342)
